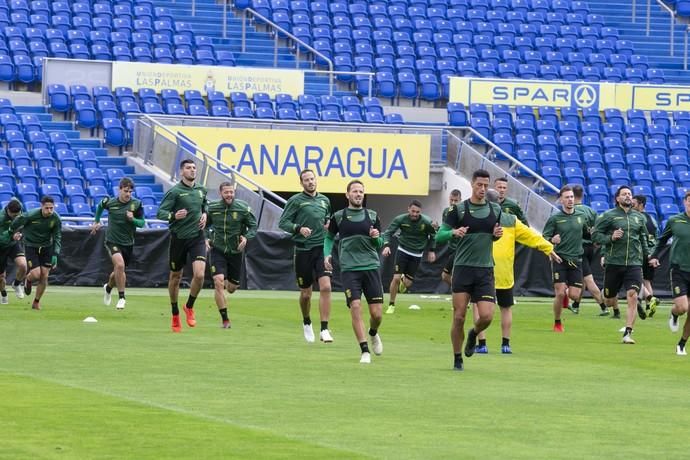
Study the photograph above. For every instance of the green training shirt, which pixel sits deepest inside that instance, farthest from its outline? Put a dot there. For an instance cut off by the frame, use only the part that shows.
(357, 250)
(590, 219)
(474, 249)
(453, 243)
(678, 227)
(631, 249)
(40, 231)
(227, 222)
(6, 240)
(570, 227)
(511, 206)
(180, 196)
(304, 210)
(414, 236)
(121, 230)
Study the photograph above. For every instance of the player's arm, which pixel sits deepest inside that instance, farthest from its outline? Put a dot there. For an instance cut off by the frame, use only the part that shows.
(445, 233)
(287, 218)
(138, 219)
(378, 240)
(520, 214)
(165, 210)
(663, 239)
(57, 238)
(549, 229)
(329, 239)
(390, 231)
(530, 238)
(600, 234)
(100, 207)
(431, 237)
(250, 224)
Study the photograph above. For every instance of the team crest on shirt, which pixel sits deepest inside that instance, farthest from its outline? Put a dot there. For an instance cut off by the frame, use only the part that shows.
(201, 194)
(423, 227)
(234, 215)
(579, 220)
(131, 207)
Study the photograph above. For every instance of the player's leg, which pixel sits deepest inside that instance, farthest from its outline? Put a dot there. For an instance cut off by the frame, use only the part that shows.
(232, 283)
(398, 271)
(559, 294)
(632, 283)
(41, 287)
(593, 289)
(3, 291)
(20, 272)
(197, 253)
(680, 287)
(612, 284)
(352, 285)
(651, 302)
(409, 272)
(305, 281)
(33, 262)
(119, 277)
(373, 292)
(461, 288)
(481, 347)
(505, 301)
(323, 277)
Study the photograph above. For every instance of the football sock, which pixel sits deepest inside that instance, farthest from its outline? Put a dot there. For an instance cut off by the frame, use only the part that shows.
(682, 342)
(576, 305)
(557, 321)
(306, 321)
(175, 309)
(675, 317)
(505, 341)
(16, 282)
(373, 332)
(482, 342)
(628, 331)
(616, 312)
(108, 288)
(324, 325)
(223, 313)
(603, 306)
(3, 293)
(364, 346)
(121, 294)
(190, 301)
(391, 303)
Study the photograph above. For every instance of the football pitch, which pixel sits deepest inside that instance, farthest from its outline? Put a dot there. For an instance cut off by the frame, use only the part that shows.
(126, 387)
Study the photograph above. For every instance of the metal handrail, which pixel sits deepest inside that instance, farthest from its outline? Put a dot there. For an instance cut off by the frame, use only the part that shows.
(673, 20)
(212, 159)
(275, 46)
(634, 10)
(517, 162)
(685, 48)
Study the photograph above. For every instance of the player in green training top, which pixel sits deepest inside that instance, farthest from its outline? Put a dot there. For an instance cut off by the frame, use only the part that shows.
(678, 228)
(565, 230)
(41, 229)
(476, 224)
(623, 231)
(588, 255)
(360, 239)
(647, 290)
(508, 205)
(11, 248)
(304, 217)
(184, 206)
(230, 224)
(416, 233)
(125, 215)
(454, 198)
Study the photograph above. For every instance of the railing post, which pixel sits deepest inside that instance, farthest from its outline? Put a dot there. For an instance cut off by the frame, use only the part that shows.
(649, 14)
(193, 7)
(371, 85)
(673, 21)
(331, 82)
(244, 31)
(685, 49)
(634, 10)
(225, 18)
(275, 49)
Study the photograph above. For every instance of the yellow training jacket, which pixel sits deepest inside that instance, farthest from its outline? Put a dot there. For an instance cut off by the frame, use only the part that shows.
(504, 248)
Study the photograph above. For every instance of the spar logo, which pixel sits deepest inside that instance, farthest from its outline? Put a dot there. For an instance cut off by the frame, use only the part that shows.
(585, 96)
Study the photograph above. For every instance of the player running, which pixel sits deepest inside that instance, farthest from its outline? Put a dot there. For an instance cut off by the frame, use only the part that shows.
(11, 248)
(453, 198)
(647, 291)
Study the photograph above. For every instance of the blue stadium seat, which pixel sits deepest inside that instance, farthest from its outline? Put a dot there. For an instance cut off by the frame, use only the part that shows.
(115, 133)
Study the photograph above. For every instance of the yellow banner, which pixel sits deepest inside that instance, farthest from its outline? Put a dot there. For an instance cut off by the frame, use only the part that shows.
(387, 164)
(248, 80)
(533, 93)
(659, 97)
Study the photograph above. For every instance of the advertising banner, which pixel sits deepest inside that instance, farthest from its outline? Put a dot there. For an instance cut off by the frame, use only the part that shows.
(390, 164)
(248, 80)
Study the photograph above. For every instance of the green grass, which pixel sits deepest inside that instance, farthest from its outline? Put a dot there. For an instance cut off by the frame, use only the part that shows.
(127, 387)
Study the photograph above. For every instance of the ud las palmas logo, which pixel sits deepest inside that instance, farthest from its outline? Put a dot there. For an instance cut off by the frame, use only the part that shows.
(585, 96)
